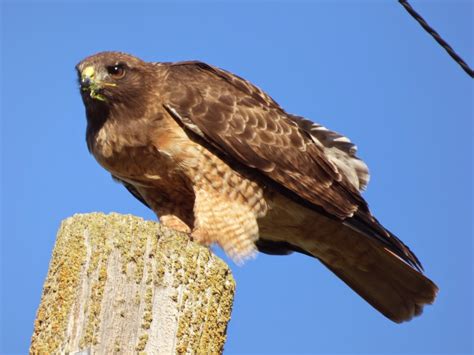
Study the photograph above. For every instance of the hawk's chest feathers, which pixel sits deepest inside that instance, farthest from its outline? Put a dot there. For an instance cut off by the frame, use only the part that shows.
(144, 149)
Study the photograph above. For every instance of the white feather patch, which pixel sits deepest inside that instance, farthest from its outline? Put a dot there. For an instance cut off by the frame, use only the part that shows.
(339, 150)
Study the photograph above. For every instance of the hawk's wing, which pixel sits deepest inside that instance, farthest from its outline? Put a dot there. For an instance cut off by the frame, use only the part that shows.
(246, 124)
(242, 122)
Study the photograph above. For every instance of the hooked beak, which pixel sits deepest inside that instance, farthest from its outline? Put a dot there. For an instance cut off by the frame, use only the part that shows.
(87, 76)
(88, 83)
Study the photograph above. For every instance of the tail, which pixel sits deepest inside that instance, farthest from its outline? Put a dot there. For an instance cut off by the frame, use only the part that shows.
(359, 250)
(376, 273)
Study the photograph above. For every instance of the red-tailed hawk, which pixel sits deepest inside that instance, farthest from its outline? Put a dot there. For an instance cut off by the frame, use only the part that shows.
(214, 156)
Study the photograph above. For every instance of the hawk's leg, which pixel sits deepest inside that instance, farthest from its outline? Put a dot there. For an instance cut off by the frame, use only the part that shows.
(230, 224)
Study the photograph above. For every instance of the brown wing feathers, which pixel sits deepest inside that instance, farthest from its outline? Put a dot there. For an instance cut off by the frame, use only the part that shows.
(255, 131)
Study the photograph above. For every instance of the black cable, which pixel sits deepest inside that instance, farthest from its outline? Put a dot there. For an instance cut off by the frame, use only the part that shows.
(437, 37)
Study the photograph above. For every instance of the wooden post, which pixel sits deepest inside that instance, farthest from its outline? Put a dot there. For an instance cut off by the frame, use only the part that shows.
(119, 284)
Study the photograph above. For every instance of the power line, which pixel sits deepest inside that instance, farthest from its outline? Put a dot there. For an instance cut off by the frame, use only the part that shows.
(437, 37)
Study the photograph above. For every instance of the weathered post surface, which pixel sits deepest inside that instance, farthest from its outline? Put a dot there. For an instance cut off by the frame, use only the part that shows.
(119, 284)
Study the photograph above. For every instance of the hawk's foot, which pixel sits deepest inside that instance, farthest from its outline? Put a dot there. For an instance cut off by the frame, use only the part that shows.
(175, 223)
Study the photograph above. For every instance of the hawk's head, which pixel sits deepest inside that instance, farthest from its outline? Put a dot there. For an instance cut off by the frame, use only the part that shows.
(110, 78)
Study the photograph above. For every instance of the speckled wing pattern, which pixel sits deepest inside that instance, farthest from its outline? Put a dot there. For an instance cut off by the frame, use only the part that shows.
(248, 125)
(244, 123)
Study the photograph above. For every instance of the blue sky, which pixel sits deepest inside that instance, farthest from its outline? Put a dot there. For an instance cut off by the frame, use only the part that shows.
(363, 68)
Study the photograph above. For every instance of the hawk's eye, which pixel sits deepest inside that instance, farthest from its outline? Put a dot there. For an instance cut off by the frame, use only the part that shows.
(117, 71)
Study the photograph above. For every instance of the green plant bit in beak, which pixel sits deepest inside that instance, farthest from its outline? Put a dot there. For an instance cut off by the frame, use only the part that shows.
(93, 88)
(97, 96)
